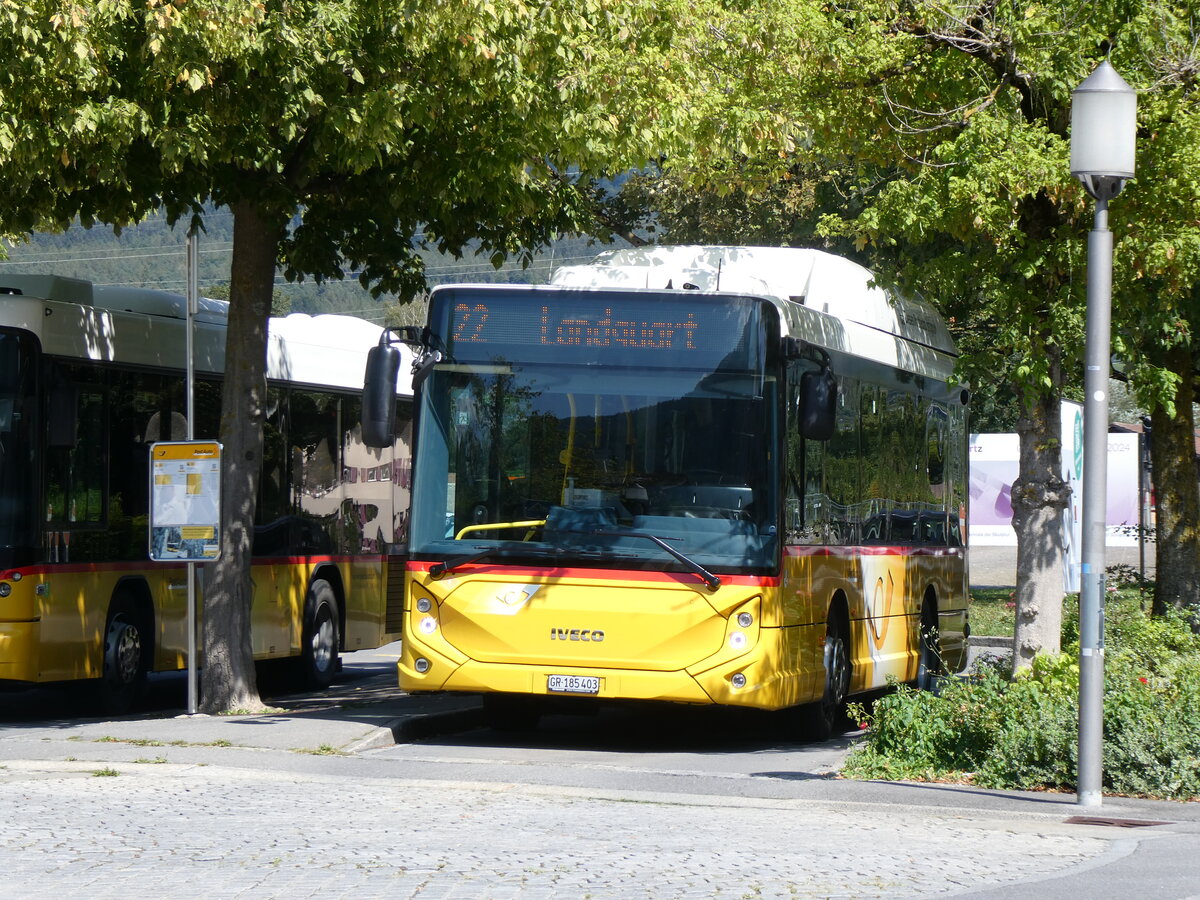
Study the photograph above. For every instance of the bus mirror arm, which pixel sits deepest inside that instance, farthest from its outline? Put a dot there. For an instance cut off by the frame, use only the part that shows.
(711, 581)
(423, 365)
(421, 340)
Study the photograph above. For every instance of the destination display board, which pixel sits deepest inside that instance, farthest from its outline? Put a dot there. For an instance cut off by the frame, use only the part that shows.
(641, 328)
(185, 501)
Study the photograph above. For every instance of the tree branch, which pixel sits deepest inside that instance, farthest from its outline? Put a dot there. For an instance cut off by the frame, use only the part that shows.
(974, 35)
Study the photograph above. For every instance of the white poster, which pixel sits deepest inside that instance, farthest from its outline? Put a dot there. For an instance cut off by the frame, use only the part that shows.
(994, 462)
(995, 465)
(185, 501)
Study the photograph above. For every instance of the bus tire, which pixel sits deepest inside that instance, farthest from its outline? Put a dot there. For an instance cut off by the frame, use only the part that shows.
(929, 659)
(821, 720)
(125, 663)
(319, 641)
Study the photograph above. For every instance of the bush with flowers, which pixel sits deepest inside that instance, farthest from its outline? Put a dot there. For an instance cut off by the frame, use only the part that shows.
(989, 729)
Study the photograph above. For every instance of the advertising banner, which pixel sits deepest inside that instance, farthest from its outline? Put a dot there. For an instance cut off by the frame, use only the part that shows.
(995, 465)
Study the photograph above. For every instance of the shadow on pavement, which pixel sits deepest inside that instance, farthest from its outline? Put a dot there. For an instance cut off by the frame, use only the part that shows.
(360, 683)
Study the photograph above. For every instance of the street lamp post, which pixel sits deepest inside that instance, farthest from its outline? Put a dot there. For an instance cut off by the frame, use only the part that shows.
(1103, 131)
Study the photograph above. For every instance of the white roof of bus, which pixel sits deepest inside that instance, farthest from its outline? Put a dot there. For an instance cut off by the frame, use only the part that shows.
(817, 280)
(143, 326)
(327, 349)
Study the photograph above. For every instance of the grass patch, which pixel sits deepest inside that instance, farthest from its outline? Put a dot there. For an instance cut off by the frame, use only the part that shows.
(262, 711)
(323, 750)
(133, 742)
(105, 773)
(146, 742)
(992, 611)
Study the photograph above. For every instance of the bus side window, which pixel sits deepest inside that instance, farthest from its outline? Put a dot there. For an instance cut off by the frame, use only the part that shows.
(936, 426)
(76, 468)
(876, 469)
(842, 470)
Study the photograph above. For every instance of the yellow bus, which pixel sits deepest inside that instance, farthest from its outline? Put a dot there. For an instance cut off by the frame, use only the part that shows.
(704, 475)
(90, 377)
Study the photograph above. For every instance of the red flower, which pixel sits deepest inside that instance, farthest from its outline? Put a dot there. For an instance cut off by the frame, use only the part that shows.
(1143, 681)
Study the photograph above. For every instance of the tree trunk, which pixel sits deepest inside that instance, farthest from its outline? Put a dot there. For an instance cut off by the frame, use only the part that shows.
(1177, 523)
(1039, 496)
(229, 681)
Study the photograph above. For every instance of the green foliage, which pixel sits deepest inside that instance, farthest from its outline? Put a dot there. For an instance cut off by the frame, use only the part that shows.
(934, 141)
(996, 732)
(376, 130)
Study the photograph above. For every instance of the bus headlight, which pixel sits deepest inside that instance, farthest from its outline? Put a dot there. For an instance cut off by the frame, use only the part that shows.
(737, 640)
(745, 620)
(5, 588)
(738, 681)
(428, 625)
(421, 664)
(424, 604)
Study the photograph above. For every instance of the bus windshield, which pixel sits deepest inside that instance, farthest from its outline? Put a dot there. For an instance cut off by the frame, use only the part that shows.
(18, 446)
(539, 451)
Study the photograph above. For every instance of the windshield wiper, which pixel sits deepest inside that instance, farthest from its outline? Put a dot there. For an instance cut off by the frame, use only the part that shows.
(710, 580)
(437, 570)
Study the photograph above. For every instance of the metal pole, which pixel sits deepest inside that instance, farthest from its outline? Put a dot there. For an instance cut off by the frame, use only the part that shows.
(193, 303)
(1142, 517)
(1095, 501)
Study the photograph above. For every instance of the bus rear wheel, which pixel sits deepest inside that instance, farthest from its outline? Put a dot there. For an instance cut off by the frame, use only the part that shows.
(319, 641)
(123, 673)
(929, 661)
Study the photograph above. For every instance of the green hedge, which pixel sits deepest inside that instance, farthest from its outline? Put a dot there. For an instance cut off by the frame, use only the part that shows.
(996, 732)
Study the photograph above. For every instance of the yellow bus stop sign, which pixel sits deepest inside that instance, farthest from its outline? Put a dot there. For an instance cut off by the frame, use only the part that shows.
(185, 501)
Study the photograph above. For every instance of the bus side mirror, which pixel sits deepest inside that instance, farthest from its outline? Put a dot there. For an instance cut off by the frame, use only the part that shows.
(818, 405)
(379, 396)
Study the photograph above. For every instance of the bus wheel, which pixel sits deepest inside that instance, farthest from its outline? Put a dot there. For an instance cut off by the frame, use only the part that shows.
(123, 677)
(929, 662)
(820, 720)
(319, 643)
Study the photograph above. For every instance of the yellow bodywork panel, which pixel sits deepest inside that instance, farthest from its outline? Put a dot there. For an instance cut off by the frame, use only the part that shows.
(52, 623)
(663, 638)
(755, 642)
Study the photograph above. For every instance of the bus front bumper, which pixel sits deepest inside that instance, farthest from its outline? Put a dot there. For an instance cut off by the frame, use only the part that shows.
(753, 680)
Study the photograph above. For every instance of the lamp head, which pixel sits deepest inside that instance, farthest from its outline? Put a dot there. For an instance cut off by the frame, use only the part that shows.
(1103, 132)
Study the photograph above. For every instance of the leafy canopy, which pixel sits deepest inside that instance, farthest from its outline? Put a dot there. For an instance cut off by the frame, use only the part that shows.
(372, 126)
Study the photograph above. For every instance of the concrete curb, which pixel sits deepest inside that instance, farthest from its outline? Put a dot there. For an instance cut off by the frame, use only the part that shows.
(990, 643)
(404, 729)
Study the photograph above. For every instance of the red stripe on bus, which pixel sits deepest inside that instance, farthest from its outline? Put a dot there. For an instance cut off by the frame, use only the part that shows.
(147, 566)
(686, 578)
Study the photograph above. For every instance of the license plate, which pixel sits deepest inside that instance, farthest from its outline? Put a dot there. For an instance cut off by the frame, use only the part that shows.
(573, 684)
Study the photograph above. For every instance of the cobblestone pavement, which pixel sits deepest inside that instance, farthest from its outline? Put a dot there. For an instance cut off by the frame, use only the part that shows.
(154, 829)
